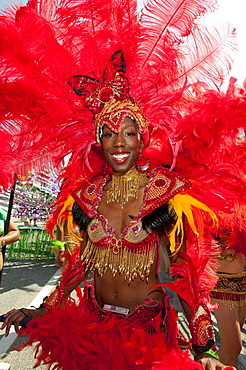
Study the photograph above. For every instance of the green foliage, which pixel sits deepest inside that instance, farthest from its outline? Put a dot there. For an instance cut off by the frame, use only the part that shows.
(34, 243)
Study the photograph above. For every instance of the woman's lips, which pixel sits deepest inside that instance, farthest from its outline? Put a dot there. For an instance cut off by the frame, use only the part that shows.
(120, 157)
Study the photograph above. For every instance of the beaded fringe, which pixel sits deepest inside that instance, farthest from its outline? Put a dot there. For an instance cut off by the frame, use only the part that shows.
(230, 302)
(125, 262)
(124, 187)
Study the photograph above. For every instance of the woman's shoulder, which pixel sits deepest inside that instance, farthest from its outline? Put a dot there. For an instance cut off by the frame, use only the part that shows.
(162, 185)
(89, 193)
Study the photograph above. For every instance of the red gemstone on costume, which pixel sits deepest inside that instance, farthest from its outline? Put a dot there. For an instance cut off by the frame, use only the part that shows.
(160, 183)
(97, 109)
(115, 250)
(90, 189)
(106, 94)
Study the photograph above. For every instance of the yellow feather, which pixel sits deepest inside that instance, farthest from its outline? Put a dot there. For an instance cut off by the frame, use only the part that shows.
(68, 204)
(186, 205)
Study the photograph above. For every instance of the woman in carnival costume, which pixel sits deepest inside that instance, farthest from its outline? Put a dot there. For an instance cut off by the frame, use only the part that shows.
(230, 294)
(137, 178)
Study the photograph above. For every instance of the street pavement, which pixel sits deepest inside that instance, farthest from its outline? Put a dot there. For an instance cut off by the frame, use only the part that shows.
(25, 284)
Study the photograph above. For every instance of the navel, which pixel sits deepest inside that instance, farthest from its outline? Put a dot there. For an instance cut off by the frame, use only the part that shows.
(114, 295)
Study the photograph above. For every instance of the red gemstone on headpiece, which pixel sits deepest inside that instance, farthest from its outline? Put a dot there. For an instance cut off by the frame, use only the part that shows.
(106, 94)
(160, 183)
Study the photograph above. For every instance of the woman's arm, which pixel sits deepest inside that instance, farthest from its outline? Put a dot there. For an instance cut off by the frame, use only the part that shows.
(15, 316)
(12, 236)
(72, 276)
(200, 322)
(70, 280)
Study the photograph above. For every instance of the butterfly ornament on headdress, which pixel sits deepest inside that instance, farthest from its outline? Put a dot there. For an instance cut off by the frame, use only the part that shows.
(110, 101)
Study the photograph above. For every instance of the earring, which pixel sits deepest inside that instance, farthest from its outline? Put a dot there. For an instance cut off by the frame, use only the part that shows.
(105, 167)
(142, 163)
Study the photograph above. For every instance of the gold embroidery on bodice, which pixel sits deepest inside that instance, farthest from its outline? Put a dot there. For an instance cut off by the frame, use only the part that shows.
(132, 254)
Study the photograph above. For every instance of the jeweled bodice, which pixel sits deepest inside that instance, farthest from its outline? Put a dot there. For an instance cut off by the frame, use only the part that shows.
(132, 253)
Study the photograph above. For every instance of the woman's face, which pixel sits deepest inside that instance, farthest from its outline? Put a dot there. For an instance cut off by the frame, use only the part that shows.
(121, 149)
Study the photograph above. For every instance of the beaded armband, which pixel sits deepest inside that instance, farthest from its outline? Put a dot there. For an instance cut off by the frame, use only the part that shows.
(201, 329)
(69, 277)
(211, 353)
(55, 299)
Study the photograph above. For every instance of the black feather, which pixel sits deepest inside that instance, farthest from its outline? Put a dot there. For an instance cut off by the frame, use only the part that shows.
(159, 219)
(80, 217)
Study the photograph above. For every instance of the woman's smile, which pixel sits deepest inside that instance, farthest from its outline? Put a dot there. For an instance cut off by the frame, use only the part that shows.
(120, 157)
(121, 148)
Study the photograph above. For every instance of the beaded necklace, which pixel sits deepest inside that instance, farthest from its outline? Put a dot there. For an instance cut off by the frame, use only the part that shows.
(122, 187)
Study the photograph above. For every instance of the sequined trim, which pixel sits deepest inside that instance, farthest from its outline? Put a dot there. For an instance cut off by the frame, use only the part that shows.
(100, 232)
(230, 290)
(201, 325)
(161, 187)
(123, 187)
(143, 315)
(132, 254)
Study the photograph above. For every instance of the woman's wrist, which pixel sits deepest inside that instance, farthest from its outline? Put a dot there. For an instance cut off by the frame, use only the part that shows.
(42, 310)
(22, 311)
(3, 241)
(33, 313)
(209, 352)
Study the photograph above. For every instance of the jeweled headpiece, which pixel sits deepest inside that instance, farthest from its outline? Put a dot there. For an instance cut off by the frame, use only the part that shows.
(110, 100)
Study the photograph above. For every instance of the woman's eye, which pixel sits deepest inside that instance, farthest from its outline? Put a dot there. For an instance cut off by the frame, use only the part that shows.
(107, 134)
(130, 133)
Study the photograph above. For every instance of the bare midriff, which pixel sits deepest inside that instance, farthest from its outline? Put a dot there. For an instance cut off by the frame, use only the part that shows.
(115, 290)
(232, 263)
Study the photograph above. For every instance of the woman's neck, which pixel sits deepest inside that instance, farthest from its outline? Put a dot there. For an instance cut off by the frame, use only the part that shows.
(124, 186)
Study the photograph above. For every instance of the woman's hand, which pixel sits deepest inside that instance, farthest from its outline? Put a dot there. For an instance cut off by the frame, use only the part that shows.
(211, 363)
(59, 261)
(14, 317)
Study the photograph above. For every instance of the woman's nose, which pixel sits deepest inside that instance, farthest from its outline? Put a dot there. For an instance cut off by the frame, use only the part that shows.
(119, 140)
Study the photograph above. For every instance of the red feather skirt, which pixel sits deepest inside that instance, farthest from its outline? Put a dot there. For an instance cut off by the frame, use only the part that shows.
(81, 335)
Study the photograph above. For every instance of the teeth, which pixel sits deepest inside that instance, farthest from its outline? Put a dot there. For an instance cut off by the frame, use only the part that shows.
(120, 156)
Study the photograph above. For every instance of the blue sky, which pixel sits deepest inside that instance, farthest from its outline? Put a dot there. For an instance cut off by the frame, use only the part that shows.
(233, 11)
(7, 2)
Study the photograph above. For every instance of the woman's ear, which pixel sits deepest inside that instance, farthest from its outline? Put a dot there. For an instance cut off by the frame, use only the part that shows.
(141, 146)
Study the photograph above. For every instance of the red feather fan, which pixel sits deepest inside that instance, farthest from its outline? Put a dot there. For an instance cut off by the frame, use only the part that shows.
(43, 44)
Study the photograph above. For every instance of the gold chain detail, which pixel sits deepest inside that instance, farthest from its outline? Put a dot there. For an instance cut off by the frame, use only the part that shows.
(125, 186)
